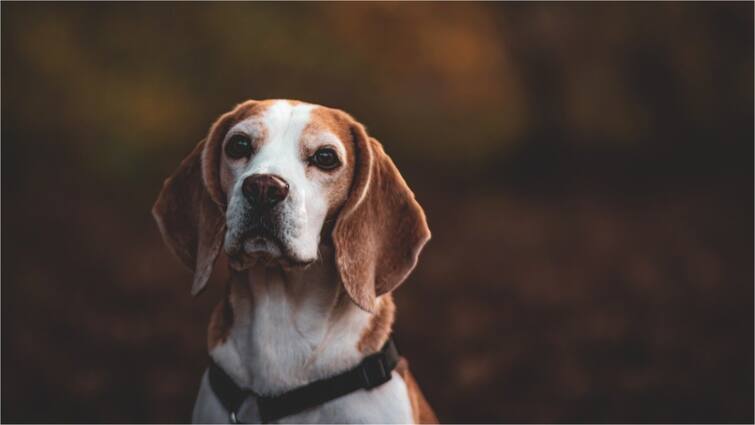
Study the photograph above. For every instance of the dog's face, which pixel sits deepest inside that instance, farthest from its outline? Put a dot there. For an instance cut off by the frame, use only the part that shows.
(274, 179)
(284, 169)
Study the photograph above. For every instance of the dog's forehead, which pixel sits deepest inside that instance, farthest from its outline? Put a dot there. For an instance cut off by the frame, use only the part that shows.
(277, 119)
(284, 118)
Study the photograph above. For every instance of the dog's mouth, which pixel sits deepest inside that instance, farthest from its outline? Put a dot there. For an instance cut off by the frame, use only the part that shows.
(260, 232)
(260, 239)
(260, 245)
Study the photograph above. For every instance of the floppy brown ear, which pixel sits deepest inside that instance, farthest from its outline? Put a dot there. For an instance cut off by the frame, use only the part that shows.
(381, 229)
(191, 223)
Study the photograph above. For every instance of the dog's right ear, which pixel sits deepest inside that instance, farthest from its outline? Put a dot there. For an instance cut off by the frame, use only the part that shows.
(190, 210)
(192, 223)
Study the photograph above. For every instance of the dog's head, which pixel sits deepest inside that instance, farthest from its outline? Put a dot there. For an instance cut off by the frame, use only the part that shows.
(274, 180)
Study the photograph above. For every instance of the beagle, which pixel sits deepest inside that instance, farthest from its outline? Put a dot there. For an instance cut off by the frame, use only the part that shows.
(318, 227)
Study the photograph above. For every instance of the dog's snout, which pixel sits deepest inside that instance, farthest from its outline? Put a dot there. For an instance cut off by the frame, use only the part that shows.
(265, 189)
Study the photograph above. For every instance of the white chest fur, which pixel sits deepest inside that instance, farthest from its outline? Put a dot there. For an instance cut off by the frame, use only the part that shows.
(290, 332)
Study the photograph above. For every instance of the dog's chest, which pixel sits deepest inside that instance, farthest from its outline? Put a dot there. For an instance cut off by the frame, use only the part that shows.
(276, 345)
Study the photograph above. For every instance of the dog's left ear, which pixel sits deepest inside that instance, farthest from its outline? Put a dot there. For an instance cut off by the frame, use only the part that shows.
(191, 222)
(381, 229)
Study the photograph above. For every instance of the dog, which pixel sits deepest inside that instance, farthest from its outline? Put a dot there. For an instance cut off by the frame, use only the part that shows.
(318, 227)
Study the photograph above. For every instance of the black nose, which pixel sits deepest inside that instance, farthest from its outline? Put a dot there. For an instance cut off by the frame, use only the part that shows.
(264, 189)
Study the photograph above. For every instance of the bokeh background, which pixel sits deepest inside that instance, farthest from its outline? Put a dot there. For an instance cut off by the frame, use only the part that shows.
(587, 171)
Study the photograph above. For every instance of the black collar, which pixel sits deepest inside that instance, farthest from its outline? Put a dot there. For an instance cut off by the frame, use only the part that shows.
(243, 405)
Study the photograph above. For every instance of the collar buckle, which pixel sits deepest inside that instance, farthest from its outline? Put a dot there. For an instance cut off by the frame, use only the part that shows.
(248, 412)
(374, 371)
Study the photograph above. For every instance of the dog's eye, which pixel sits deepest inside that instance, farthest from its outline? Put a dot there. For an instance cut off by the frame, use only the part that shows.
(325, 158)
(239, 146)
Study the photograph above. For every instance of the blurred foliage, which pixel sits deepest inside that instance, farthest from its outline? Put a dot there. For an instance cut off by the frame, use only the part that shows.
(586, 170)
(459, 81)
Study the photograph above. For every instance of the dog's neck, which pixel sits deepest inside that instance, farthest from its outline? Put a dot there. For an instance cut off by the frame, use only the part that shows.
(280, 328)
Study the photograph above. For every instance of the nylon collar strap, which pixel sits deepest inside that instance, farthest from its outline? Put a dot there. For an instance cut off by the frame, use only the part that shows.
(373, 371)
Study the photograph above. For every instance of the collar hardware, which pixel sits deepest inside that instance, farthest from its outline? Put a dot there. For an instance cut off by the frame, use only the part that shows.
(374, 371)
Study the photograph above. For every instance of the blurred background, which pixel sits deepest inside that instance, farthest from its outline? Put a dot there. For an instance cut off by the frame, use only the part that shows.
(586, 169)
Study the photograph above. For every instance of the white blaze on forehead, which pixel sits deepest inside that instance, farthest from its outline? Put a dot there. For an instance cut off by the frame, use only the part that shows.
(280, 153)
(282, 125)
(285, 120)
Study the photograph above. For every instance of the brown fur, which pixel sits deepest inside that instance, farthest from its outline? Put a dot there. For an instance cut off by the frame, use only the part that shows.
(221, 321)
(191, 223)
(421, 410)
(380, 326)
(336, 122)
(213, 152)
(381, 228)
(222, 317)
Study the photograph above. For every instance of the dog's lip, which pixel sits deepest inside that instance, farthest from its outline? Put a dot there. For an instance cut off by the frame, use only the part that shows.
(236, 248)
(257, 231)
(240, 257)
(260, 232)
(255, 235)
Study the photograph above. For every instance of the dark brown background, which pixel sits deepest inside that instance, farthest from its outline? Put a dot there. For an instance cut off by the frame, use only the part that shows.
(586, 170)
